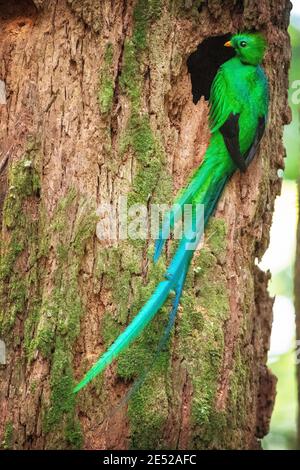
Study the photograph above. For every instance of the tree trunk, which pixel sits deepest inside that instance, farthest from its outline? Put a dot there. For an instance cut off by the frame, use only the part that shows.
(99, 104)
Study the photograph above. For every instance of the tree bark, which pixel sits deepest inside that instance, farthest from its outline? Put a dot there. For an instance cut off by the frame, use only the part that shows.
(100, 104)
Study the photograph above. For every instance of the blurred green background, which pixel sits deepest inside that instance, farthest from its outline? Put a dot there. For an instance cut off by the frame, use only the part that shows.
(280, 258)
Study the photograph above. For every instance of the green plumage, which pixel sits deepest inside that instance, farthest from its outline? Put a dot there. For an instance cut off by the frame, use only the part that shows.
(238, 112)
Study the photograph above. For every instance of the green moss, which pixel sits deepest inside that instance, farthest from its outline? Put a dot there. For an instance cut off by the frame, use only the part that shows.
(140, 354)
(62, 399)
(59, 420)
(74, 434)
(106, 95)
(44, 341)
(120, 269)
(52, 320)
(23, 182)
(106, 82)
(36, 274)
(188, 10)
(151, 402)
(145, 12)
(216, 235)
(110, 329)
(237, 403)
(152, 179)
(117, 279)
(59, 323)
(33, 386)
(215, 429)
(130, 80)
(19, 241)
(91, 12)
(7, 443)
(205, 303)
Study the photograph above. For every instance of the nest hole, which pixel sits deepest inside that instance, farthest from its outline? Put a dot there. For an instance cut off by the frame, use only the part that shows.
(204, 63)
(14, 9)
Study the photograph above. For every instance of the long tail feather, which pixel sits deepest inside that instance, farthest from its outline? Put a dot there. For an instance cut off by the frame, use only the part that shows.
(163, 340)
(209, 195)
(201, 179)
(170, 218)
(137, 325)
(211, 203)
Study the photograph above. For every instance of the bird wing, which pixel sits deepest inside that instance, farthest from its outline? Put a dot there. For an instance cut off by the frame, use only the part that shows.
(254, 147)
(224, 116)
(230, 131)
(221, 104)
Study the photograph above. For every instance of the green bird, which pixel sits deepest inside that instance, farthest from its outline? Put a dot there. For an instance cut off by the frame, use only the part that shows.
(239, 102)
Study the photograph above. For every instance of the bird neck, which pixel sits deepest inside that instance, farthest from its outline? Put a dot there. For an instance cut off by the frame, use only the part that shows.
(241, 61)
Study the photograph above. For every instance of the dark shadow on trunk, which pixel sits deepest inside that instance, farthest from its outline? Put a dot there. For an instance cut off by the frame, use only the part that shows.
(204, 63)
(12, 9)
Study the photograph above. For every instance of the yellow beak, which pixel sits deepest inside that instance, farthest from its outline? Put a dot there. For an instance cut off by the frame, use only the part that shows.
(228, 44)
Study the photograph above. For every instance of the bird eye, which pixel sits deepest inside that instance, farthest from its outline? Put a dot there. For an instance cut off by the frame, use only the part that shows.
(243, 44)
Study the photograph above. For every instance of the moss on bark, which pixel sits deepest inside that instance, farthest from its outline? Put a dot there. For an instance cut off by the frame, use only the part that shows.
(19, 244)
(59, 323)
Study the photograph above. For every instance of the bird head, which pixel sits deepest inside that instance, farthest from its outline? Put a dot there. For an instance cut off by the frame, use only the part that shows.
(249, 47)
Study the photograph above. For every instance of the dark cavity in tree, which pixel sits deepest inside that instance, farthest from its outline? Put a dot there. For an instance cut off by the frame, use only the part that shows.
(13, 9)
(204, 63)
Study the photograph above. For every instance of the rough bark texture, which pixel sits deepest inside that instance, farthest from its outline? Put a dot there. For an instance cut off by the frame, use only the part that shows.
(297, 310)
(99, 104)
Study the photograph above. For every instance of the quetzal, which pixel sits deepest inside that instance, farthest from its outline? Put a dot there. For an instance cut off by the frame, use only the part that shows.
(239, 101)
